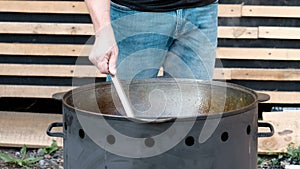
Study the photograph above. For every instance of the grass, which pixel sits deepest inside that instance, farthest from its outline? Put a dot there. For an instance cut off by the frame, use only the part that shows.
(290, 157)
(23, 160)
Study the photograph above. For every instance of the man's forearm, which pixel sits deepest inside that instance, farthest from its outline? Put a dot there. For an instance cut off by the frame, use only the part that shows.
(100, 13)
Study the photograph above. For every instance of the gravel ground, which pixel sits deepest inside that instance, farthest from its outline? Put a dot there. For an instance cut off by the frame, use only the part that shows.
(52, 161)
(55, 160)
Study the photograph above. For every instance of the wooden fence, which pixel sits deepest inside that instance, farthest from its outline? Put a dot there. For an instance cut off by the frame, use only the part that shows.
(41, 41)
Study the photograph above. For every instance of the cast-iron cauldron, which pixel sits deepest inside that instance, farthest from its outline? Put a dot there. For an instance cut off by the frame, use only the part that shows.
(178, 123)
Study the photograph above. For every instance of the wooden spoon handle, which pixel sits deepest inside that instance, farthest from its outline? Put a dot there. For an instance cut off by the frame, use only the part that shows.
(122, 96)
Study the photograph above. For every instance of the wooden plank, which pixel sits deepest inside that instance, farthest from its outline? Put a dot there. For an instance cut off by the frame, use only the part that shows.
(229, 10)
(71, 71)
(92, 71)
(279, 32)
(237, 32)
(76, 7)
(19, 128)
(63, 7)
(84, 50)
(281, 97)
(87, 29)
(286, 125)
(258, 53)
(49, 70)
(44, 49)
(271, 11)
(266, 74)
(52, 70)
(222, 74)
(31, 90)
(46, 28)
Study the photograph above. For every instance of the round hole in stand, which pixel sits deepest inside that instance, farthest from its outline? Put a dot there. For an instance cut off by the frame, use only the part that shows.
(149, 142)
(111, 139)
(224, 136)
(189, 141)
(65, 126)
(248, 130)
(81, 133)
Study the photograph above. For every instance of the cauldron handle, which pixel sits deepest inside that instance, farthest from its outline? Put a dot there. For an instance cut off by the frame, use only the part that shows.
(265, 134)
(54, 134)
(262, 97)
(58, 96)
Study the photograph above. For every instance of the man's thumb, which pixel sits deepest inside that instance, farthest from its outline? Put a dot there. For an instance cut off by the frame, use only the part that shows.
(112, 70)
(112, 67)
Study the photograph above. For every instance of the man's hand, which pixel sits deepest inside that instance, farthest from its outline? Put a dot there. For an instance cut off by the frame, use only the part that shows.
(104, 53)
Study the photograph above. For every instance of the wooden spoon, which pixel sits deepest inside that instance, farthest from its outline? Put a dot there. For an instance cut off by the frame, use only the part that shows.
(122, 96)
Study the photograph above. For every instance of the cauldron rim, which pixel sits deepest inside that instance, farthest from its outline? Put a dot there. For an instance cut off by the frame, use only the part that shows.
(93, 86)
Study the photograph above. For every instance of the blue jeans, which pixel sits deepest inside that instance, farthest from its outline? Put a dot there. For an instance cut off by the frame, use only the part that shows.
(183, 42)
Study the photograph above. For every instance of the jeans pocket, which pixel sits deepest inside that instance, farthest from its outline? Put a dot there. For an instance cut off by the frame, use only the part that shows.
(119, 7)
